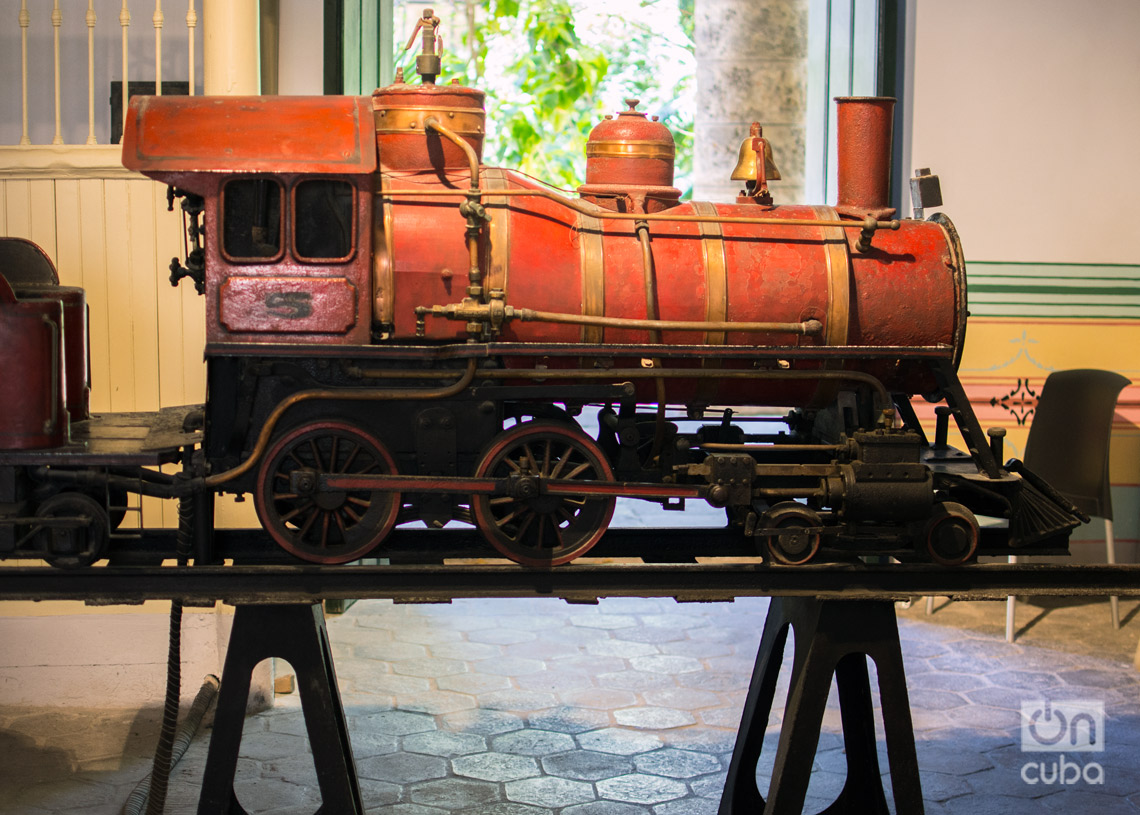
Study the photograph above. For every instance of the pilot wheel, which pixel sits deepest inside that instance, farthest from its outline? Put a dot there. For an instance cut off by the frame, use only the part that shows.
(323, 525)
(531, 526)
(794, 538)
(75, 530)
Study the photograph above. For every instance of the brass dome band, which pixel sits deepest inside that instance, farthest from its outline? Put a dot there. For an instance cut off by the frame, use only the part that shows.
(629, 148)
(716, 271)
(590, 246)
(838, 279)
(393, 119)
(837, 322)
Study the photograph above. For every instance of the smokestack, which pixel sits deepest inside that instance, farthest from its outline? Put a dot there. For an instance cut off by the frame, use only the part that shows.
(865, 127)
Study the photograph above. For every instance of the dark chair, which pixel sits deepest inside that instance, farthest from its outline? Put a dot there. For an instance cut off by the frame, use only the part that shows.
(1068, 447)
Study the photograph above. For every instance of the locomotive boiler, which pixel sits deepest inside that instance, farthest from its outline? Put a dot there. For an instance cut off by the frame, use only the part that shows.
(398, 333)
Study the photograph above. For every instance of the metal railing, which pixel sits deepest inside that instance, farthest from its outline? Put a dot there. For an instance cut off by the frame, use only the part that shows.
(69, 63)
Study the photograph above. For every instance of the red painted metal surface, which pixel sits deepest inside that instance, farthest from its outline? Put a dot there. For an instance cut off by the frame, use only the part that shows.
(248, 134)
(32, 413)
(864, 131)
(903, 292)
(288, 305)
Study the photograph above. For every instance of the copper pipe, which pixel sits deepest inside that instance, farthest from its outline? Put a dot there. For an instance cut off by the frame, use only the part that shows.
(471, 209)
(369, 395)
(720, 447)
(598, 212)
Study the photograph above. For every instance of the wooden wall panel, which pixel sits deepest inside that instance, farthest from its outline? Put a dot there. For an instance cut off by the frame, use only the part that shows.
(92, 228)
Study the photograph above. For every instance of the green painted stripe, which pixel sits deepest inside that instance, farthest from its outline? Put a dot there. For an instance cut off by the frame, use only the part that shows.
(1083, 291)
(1093, 290)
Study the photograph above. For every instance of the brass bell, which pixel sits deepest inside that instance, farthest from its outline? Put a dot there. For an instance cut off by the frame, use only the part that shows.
(746, 161)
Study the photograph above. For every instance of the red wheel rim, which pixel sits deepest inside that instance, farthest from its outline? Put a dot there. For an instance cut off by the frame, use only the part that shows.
(329, 526)
(544, 530)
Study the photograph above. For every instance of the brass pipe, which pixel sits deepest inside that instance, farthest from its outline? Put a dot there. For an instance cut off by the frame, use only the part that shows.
(806, 328)
(606, 214)
(472, 157)
(369, 395)
(649, 277)
(471, 209)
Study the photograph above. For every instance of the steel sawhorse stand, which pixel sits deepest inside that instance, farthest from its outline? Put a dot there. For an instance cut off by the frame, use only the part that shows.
(295, 632)
(832, 637)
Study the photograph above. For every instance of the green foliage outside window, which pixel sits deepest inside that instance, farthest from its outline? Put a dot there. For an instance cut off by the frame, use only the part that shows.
(552, 69)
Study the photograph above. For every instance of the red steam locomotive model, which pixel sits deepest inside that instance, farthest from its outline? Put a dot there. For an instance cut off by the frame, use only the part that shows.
(398, 333)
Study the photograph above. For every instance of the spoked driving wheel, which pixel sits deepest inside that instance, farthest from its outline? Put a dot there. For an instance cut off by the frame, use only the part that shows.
(321, 525)
(533, 527)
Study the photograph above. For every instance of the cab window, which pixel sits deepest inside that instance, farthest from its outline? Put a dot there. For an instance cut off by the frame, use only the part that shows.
(251, 219)
(323, 219)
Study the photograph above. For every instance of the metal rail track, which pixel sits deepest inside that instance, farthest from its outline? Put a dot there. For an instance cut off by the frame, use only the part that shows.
(454, 569)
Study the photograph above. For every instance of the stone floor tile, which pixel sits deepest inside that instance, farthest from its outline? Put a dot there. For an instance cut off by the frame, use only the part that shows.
(426, 634)
(606, 808)
(586, 765)
(653, 718)
(950, 757)
(599, 698)
(935, 699)
(510, 666)
(481, 722)
(682, 698)
(388, 651)
(550, 792)
(507, 808)
(469, 651)
(1024, 680)
(639, 788)
(402, 768)
(572, 720)
(436, 702)
(261, 794)
(635, 680)
(473, 683)
(689, 806)
(404, 809)
(532, 742)
(666, 664)
(394, 723)
(591, 664)
(429, 667)
(608, 622)
(543, 649)
(555, 680)
(675, 763)
(366, 743)
(444, 744)
(495, 766)
(374, 792)
(501, 636)
(620, 648)
(1073, 801)
(715, 681)
(392, 684)
(947, 682)
(454, 794)
(267, 746)
(714, 741)
(709, 786)
(697, 648)
(618, 741)
(650, 635)
(516, 700)
(721, 716)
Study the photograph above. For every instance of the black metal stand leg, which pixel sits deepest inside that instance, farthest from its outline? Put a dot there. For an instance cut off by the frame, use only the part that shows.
(296, 633)
(832, 637)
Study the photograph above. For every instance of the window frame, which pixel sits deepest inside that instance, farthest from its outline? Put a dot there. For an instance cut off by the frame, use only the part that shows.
(353, 237)
(281, 220)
